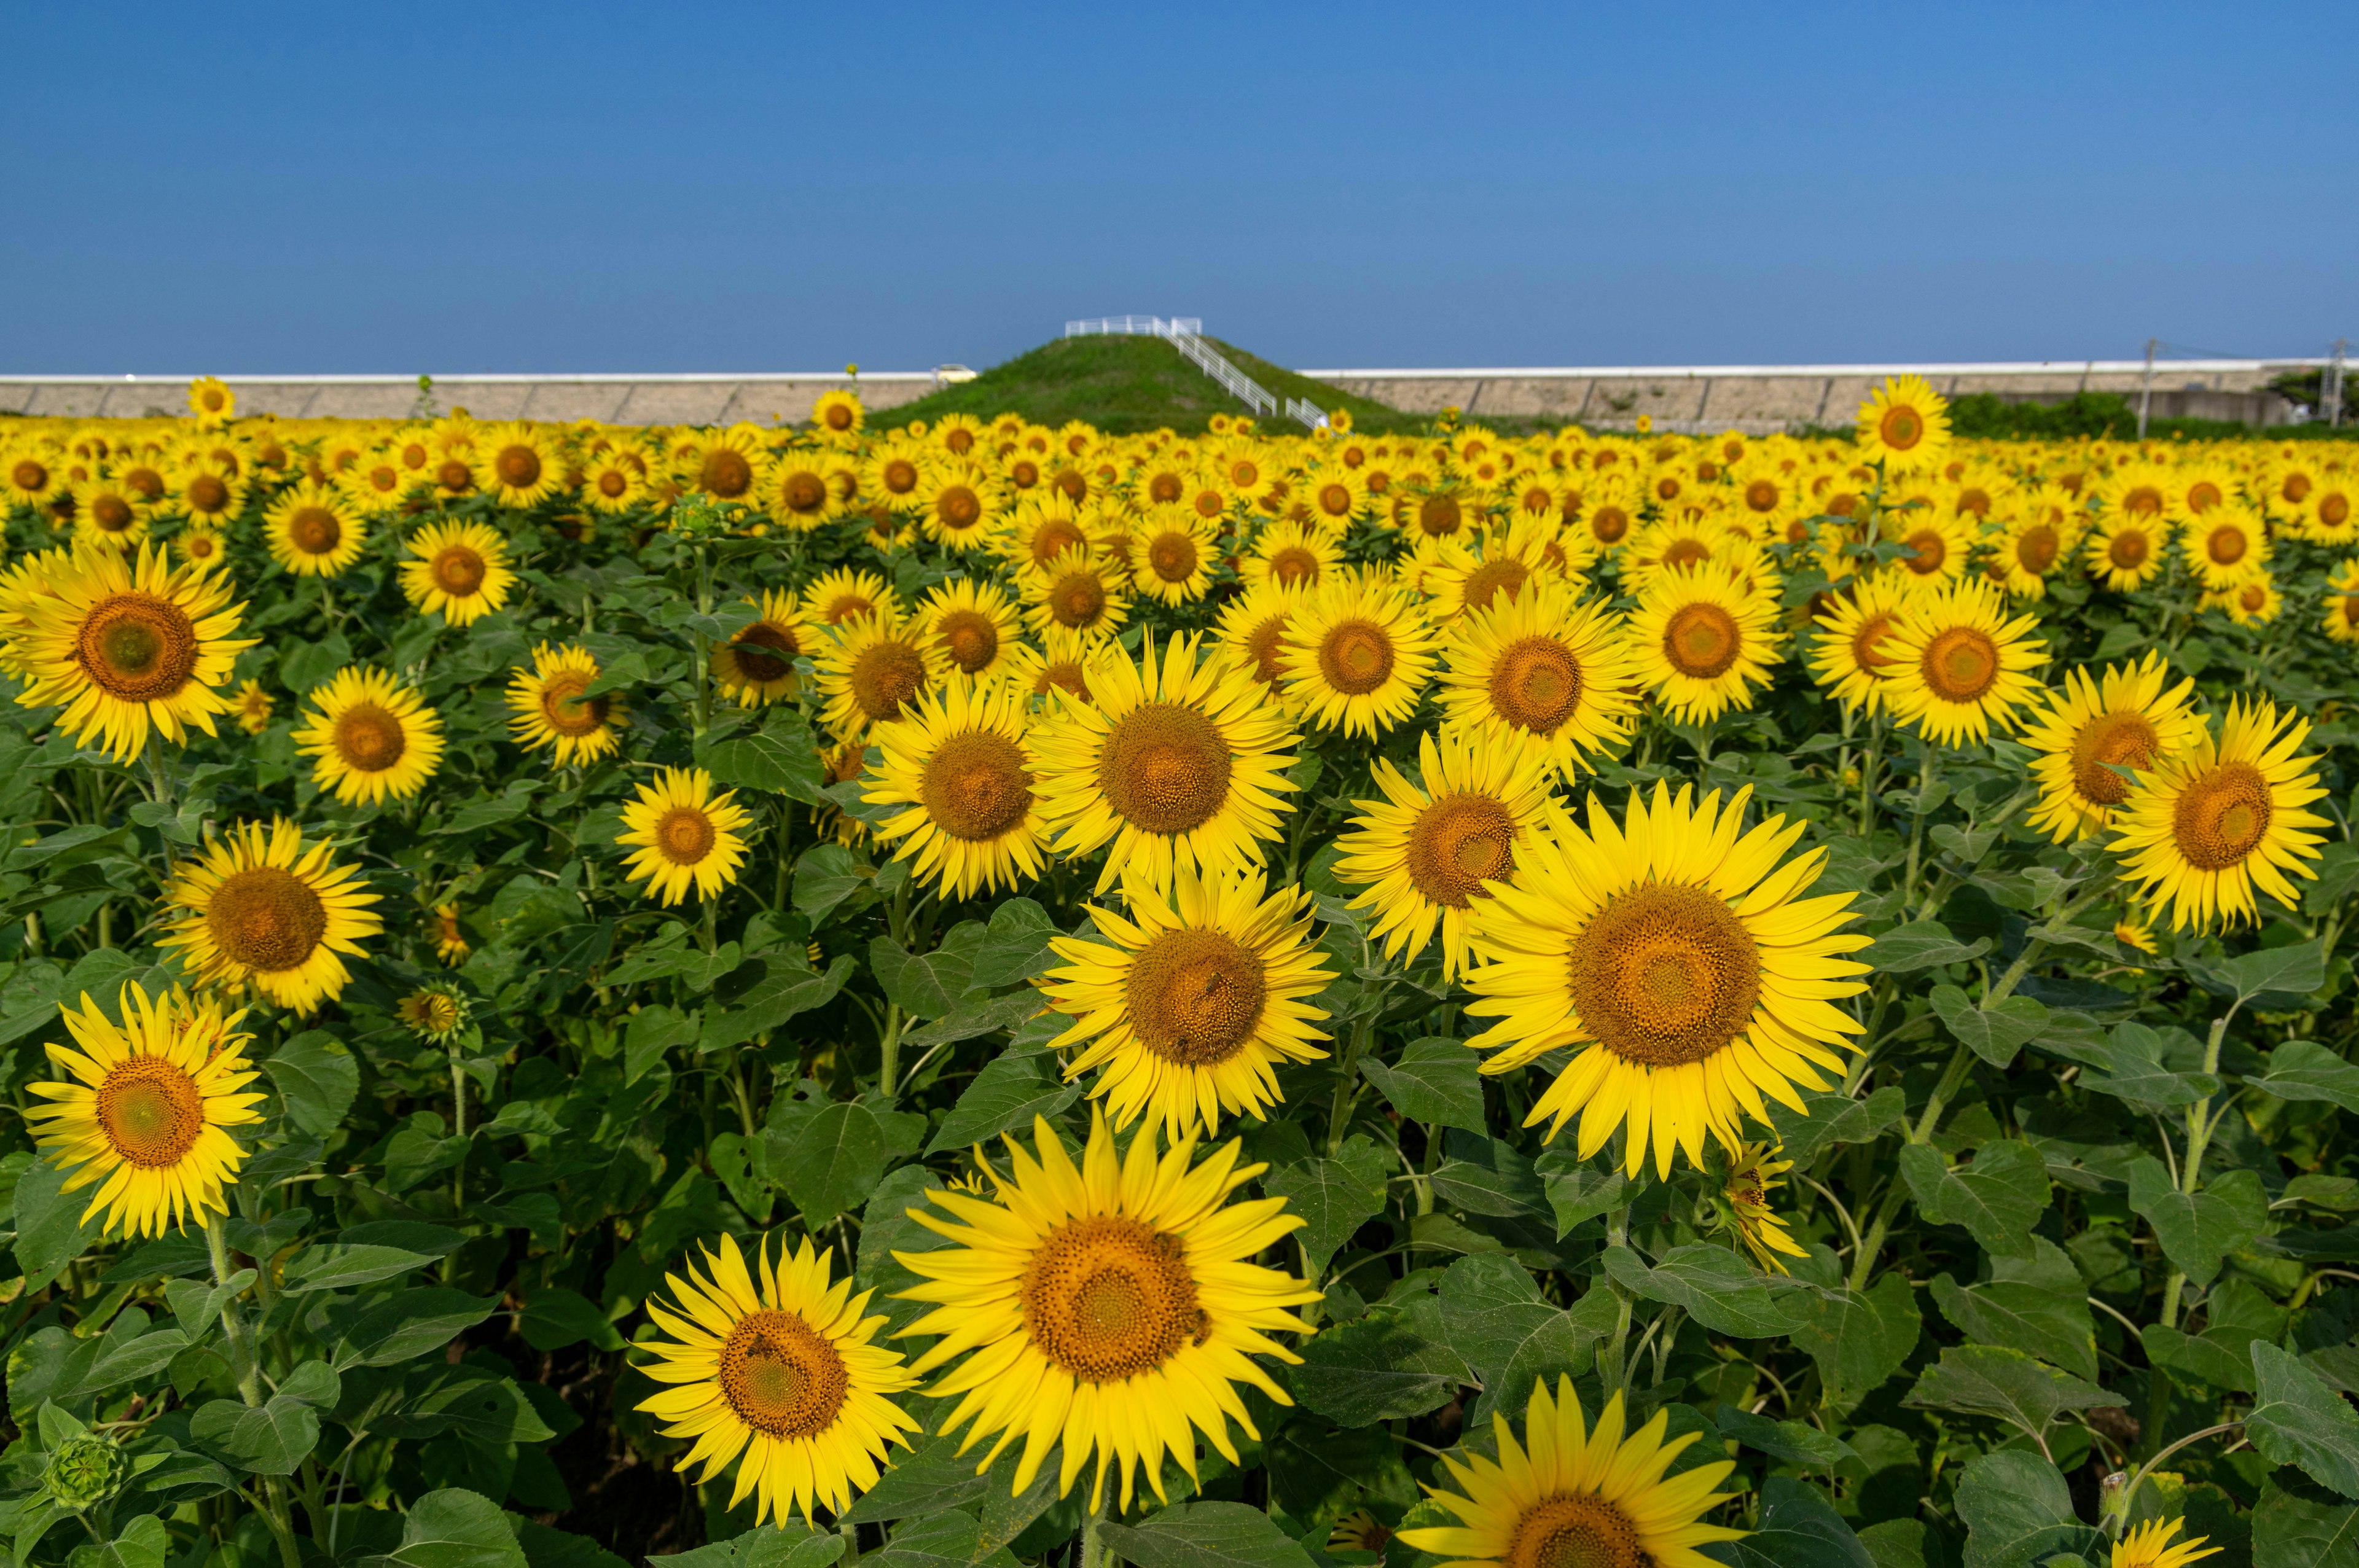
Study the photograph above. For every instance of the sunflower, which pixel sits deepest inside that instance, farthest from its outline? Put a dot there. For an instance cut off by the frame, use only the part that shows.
(2126, 549)
(211, 402)
(780, 1370)
(756, 666)
(1904, 424)
(253, 707)
(1291, 555)
(727, 465)
(838, 596)
(1851, 657)
(2093, 727)
(450, 943)
(2342, 618)
(1426, 851)
(1958, 666)
(1253, 628)
(1544, 666)
(125, 644)
(2227, 546)
(1935, 545)
(1742, 1202)
(547, 706)
(1066, 661)
(1111, 1305)
(1176, 761)
(686, 836)
(2331, 514)
(2042, 531)
(1357, 657)
(2150, 1546)
(1042, 528)
(959, 760)
(1577, 1497)
(460, 570)
(2256, 602)
(1673, 950)
(872, 669)
(973, 627)
(1500, 562)
(1701, 638)
(961, 504)
(109, 514)
(260, 908)
(2138, 490)
(1190, 1004)
(798, 493)
(1174, 556)
(1080, 590)
(838, 413)
(519, 467)
(313, 530)
(1684, 541)
(1337, 496)
(373, 737)
(146, 1110)
(210, 490)
(376, 483)
(895, 473)
(2202, 829)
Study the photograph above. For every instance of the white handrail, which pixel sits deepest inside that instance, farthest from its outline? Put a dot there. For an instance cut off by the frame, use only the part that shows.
(1186, 333)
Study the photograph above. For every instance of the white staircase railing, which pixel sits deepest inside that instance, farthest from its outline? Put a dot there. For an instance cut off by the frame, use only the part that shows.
(1186, 333)
(1304, 411)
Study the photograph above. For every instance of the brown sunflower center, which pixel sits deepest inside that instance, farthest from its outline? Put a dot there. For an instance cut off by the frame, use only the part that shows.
(149, 1112)
(685, 836)
(138, 647)
(566, 710)
(208, 493)
(369, 737)
(883, 675)
(1686, 553)
(2144, 501)
(1866, 642)
(29, 474)
(1665, 974)
(2123, 740)
(844, 606)
(518, 467)
(1335, 500)
(452, 473)
(2037, 549)
(1078, 600)
(1490, 580)
(1294, 564)
(2204, 495)
(1701, 640)
(110, 513)
(1582, 1531)
(1609, 524)
(2128, 549)
(970, 639)
(1960, 663)
(781, 1376)
(1263, 642)
(1106, 1297)
(314, 530)
(726, 473)
(1439, 516)
(1195, 996)
(1063, 674)
(457, 570)
(267, 918)
(1761, 495)
(1355, 656)
(1458, 843)
(1901, 427)
(2226, 547)
(803, 492)
(839, 418)
(900, 476)
(1173, 556)
(1165, 768)
(612, 483)
(765, 652)
(2223, 816)
(2334, 511)
(1927, 551)
(147, 481)
(975, 785)
(1535, 684)
(958, 508)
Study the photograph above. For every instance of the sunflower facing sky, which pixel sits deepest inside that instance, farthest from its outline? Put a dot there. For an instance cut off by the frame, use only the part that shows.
(372, 736)
(1107, 1307)
(2123, 719)
(960, 761)
(547, 706)
(1674, 951)
(686, 838)
(774, 1369)
(260, 908)
(2205, 827)
(144, 1110)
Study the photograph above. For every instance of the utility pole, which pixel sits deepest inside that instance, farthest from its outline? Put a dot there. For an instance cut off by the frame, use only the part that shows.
(2331, 393)
(2146, 387)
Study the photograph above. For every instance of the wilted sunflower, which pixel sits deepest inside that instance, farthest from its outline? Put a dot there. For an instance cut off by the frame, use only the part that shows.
(372, 737)
(259, 908)
(1541, 665)
(1080, 590)
(146, 1110)
(1701, 638)
(2125, 720)
(2126, 549)
(958, 761)
(546, 707)
(1425, 851)
(313, 531)
(1743, 1201)
(1174, 761)
(1253, 628)
(1356, 656)
(126, 644)
(973, 627)
(1578, 1498)
(872, 669)
(1959, 667)
(1190, 1005)
(253, 708)
(2205, 827)
(845, 594)
(1674, 952)
(686, 836)
(782, 1371)
(460, 570)
(1111, 1306)
(451, 943)
(758, 665)
(1851, 657)
(1905, 424)
(433, 1013)
(2150, 1546)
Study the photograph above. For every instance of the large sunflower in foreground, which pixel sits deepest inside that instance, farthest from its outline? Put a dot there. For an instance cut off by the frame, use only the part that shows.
(1905, 424)
(1175, 759)
(1191, 1003)
(459, 570)
(1426, 850)
(1959, 667)
(1673, 951)
(372, 737)
(780, 1369)
(260, 908)
(958, 759)
(1111, 1306)
(1702, 638)
(314, 530)
(2204, 827)
(2125, 719)
(127, 644)
(145, 1113)
(1576, 1496)
(872, 669)
(758, 665)
(685, 836)
(546, 707)
(1356, 656)
(1541, 667)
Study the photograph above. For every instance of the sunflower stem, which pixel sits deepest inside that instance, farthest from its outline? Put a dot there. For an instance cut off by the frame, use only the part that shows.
(458, 1125)
(1093, 1537)
(243, 1365)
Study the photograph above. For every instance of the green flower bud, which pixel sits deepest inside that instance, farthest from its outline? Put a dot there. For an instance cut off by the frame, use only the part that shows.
(84, 1472)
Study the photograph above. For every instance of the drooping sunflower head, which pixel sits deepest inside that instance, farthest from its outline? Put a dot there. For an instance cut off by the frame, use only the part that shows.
(373, 737)
(1960, 666)
(1905, 424)
(262, 909)
(1545, 667)
(435, 1011)
(2096, 730)
(872, 669)
(551, 705)
(1741, 1203)
(1702, 638)
(958, 761)
(457, 570)
(758, 665)
(144, 1108)
(1357, 657)
(683, 836)
(778, 1366)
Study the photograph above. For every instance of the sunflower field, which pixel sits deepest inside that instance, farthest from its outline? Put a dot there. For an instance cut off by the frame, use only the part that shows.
(982, 995)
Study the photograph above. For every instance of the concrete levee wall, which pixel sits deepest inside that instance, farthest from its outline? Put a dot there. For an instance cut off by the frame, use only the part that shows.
(615, 399)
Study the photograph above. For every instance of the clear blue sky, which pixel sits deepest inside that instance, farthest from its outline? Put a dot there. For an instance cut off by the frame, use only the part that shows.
(494, 186)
